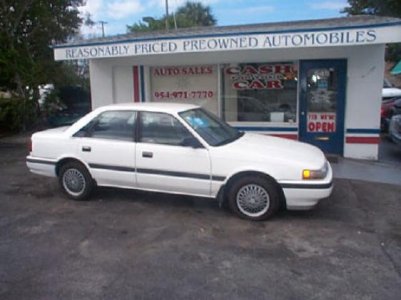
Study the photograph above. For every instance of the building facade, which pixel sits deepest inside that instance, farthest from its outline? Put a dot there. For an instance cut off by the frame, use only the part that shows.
(315, 81)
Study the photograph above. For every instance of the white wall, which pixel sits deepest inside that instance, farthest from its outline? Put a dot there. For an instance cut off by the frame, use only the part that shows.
(101, 80)
(123, 88)
(364, 87)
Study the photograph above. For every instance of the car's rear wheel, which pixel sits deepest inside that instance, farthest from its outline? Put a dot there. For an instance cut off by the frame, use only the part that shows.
(75, 181)
(254, 198)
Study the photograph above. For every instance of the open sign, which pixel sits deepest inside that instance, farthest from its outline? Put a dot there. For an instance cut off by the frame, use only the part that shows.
(321, 122)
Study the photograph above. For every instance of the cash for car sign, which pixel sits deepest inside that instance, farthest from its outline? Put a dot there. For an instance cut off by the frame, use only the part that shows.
(267, 76)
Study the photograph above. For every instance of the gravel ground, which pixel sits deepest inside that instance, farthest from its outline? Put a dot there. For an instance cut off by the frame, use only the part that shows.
(134, 245)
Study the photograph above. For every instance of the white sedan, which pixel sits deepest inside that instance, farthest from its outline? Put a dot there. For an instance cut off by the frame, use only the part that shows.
(181, 149)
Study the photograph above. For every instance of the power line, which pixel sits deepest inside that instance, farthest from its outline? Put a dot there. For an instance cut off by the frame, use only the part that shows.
(102, 23)
(166, 14)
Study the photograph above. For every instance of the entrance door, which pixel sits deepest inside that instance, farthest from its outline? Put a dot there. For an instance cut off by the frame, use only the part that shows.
(322, 104)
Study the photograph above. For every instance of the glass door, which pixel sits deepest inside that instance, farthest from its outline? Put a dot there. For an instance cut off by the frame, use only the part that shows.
(322, 104)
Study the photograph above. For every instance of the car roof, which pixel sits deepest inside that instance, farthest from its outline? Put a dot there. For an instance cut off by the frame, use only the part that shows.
(171, 108)
(151, 106)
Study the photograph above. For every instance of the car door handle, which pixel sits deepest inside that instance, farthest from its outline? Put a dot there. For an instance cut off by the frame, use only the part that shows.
(86, 149)
(147, 154)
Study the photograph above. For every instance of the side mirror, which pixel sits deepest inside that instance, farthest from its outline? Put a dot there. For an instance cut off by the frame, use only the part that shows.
(191, 142)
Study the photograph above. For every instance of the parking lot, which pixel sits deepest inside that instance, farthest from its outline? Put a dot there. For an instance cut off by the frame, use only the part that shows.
(134, 245)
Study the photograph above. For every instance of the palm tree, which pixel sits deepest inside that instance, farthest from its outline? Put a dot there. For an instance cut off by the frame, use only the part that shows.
(191, 14)
(196, 14)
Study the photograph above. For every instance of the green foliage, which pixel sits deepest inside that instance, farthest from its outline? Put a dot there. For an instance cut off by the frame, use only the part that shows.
(388, 8)
(393, 52)
(27, 29)
(152, 25)
(191, 14)
(51, 103)
(15, 113)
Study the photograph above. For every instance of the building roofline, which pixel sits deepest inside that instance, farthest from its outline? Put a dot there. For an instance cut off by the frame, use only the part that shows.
(343, 23)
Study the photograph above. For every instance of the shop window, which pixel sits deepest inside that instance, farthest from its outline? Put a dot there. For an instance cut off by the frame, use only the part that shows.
(260, 92)
(195, 84)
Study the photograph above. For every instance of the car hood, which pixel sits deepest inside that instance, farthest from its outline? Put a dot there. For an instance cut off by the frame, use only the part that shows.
(259, 147)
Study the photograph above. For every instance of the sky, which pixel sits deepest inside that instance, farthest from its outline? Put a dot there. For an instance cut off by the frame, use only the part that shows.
(119, 13)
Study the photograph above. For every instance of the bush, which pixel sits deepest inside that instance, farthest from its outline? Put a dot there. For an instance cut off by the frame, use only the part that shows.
(16, 114)
(393, 52)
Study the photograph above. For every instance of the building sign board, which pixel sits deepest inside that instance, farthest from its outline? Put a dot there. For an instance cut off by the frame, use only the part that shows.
(346, 37)
(196, 84)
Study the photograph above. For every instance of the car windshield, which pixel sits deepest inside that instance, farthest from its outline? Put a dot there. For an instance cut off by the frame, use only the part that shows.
(213, 130)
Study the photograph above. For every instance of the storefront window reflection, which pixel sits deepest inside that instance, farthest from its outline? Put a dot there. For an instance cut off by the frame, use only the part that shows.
(260, 92)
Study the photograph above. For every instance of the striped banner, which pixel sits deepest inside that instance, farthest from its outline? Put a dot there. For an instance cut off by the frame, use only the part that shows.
(138, 83)
(362, 136)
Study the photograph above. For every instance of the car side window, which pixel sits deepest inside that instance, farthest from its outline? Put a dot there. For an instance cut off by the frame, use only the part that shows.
(114, 125)
(161, 128)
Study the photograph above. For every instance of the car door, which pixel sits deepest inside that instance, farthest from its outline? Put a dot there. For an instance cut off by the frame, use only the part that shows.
(164, 163)
(107, 145)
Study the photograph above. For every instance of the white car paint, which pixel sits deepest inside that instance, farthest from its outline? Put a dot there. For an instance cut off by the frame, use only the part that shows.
(389, 91)
(208, 168)
(392, 92)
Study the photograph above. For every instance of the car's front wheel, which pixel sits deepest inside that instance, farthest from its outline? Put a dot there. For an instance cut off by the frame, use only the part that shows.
(254, 198)
(75, 181)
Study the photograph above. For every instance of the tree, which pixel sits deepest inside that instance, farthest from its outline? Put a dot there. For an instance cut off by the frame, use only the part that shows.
(195, 14)
(151, 24)
(27, 30)
(191, 14)
(389, 8)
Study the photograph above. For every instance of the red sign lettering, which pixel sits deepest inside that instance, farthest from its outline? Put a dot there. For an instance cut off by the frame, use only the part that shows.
(321, 122)
(260, 76)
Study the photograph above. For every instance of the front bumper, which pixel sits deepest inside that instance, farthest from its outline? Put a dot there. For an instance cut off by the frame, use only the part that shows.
(304, 195)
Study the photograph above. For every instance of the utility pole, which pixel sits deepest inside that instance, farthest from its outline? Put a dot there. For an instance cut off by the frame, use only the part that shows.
(166, 14)
(102, 23)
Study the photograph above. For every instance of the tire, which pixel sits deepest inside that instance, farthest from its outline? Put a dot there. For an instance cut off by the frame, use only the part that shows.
(75, 181)
(254, 198)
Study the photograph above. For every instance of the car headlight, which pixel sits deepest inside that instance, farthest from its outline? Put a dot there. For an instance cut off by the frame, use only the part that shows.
(316, 174)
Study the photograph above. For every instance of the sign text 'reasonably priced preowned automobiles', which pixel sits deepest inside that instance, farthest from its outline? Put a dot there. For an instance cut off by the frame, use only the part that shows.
(181, 149)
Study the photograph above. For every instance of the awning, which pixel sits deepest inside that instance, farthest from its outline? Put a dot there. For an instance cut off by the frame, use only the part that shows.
(396, 70)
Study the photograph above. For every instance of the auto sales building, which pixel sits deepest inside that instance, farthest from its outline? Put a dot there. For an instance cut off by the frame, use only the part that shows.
(315, 81)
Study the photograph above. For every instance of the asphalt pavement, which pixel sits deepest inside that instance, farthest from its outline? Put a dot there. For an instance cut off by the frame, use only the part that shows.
(134, 245)
(386, 170)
